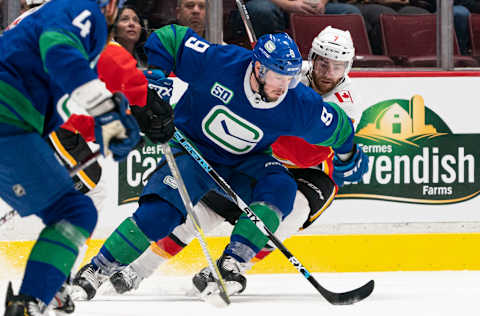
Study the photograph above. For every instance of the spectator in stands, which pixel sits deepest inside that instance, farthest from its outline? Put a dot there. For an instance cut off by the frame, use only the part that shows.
(461, 11)
(192, 13)
(460, 21)
(129, 31)
(271, 16)
(156, 13)
(23, 6)
(472, 5)
(372, 9)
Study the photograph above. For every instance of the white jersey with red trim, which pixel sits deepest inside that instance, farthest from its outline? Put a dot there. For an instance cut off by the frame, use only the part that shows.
(343, 94)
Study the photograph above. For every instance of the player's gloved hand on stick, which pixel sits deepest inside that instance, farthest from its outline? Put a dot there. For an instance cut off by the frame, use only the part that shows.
(159, 83)
(156, 117)
(351, 170)
(115, 130)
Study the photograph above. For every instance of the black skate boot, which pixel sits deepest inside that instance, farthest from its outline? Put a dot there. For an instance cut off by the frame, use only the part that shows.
(86, 282)
(62, 303)
(231, 271)
(23, 305)
(125, 280)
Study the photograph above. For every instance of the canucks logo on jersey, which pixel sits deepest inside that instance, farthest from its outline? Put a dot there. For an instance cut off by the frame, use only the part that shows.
(230, 131)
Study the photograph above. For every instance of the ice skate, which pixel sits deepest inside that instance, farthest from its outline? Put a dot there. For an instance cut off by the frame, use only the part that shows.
(86, 283)
(232, 273)
(62, 303)
(23, 305)
(125, 280)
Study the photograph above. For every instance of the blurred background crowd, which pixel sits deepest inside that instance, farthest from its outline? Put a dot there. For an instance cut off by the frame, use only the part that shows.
(386, 33)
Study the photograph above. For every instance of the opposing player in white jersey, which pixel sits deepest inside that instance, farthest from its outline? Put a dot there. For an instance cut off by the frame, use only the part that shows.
(326, 71)
(329, 63)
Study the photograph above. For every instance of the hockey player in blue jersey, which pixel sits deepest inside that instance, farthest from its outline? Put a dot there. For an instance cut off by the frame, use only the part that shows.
(48, 54)
(237, 104)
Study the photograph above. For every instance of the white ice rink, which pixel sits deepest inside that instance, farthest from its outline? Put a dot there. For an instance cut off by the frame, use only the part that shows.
(396, 294)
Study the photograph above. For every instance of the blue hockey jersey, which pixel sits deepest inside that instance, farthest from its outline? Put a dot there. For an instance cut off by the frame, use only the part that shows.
(220, 112)
(51, 51)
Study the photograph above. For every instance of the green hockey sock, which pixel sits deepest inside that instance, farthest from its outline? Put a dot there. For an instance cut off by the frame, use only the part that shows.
(55, 249)
(127, 242)
(246, 231)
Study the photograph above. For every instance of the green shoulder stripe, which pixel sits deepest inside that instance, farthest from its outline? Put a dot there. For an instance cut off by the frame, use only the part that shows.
(32, 118)
(342, 131)
(52, 38)
(172, 38)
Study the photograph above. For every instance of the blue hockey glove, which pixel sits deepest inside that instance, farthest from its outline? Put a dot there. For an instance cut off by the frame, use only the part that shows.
(116, 131)
(352, 170)
(157, 82)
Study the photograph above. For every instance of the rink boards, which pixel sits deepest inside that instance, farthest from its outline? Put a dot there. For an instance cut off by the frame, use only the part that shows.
(417, 209)
(326, 253)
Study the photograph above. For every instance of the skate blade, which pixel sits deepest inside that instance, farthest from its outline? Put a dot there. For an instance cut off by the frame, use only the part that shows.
(210, 295)
(78, 294)
(193, 292)
(52, 313)
(216, 300)
(57, 312)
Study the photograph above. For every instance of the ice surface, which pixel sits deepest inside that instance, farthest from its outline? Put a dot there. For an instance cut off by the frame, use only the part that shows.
(396, 294)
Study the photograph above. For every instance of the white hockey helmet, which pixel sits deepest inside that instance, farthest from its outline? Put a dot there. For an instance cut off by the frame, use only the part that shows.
(334, 44)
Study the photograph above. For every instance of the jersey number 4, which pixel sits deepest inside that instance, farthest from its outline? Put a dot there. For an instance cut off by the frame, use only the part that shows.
(81, 21)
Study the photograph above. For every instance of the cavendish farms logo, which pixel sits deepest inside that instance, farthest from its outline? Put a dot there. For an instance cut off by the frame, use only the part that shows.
(414, 157)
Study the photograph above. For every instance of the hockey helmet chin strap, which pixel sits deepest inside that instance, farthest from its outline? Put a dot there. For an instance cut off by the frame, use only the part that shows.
(261, 89)
(261, 85)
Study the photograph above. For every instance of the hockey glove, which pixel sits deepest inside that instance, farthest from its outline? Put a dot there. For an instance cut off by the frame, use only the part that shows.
(157, 82)
(155, 118)
(115, 130)
(352, 170)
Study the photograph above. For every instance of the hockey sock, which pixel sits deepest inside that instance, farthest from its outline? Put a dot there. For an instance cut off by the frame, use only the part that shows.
(122, 247)
(81, 255)
(262, 254)
(247, 239)
(69, 221)
(51, 259)
(157, 253)
(168, 247)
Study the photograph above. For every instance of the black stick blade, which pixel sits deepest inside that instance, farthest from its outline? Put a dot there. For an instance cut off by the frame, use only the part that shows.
(350, 297)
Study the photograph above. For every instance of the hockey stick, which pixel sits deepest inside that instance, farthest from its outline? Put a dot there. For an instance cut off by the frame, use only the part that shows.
(344, 298)
(225, 300)
(78, 167)
(246, 22)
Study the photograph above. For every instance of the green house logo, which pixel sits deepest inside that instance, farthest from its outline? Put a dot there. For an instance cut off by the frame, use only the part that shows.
(413, 156)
